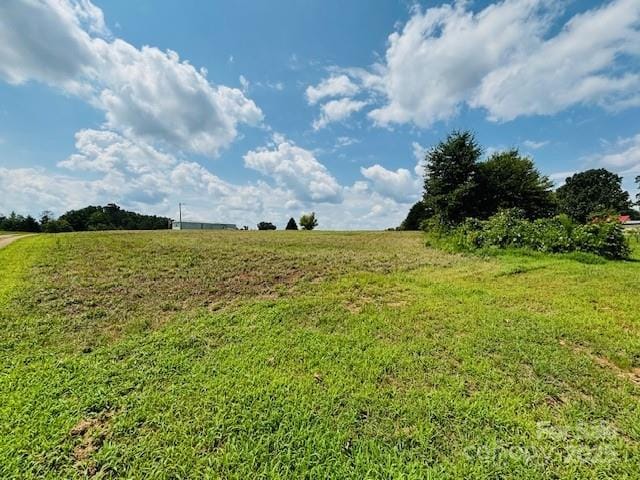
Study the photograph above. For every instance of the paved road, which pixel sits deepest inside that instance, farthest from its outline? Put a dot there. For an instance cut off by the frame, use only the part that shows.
(7, 239)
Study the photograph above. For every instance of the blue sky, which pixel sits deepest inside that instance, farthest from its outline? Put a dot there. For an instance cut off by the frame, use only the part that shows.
(254, 110)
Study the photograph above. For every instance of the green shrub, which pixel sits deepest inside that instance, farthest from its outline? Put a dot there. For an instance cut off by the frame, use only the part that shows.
(510, 229)
(469, 235)
(550, 235)
(603, 238)
(507, 228)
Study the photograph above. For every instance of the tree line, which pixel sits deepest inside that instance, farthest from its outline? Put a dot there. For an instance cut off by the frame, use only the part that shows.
(108, 217)
(459, 185)
(112, 217)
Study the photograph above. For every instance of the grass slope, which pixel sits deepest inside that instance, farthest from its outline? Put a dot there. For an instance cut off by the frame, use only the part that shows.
(313, 355)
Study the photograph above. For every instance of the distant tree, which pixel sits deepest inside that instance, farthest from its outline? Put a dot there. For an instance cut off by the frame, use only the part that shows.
(291, 224)
(45, 217)
(638, 194)
(417, 213)
(19, 223)
(308, 221)
(30, 224)
(99, 220)
(266, 226)
(593, 192)
(4, 222)
(112, 217)
(508, 180)
(49, 224)
(450, 178)
(57, 226)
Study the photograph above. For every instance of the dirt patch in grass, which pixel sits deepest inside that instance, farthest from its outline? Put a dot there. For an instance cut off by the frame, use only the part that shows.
(632, 374)
(90, 434)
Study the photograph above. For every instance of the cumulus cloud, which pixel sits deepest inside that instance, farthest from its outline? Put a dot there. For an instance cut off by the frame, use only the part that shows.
(337, 111)
(105, 151)
(624, 157)
(419, 153)
(362, 208)
(153, 95)
(297, 169)
(334, 86)
(35, 189)
(135, 175)
(442, 54)
(44, 41)
(400, 185)
(145, 93)
(511, 59)
(577, 66)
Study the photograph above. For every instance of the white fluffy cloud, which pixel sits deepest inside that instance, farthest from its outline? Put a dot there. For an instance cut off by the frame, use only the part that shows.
(297, 169)
(334, 86)
(135, 175)
(145, 93)
(362, 208)
(624, 157)
(419, 153)
(44, 40)
(442, 54)
(576, 66)
(153, 95)
(106, 151)
(35, 189)
(400, 185)
(337, 111)
(507, 59)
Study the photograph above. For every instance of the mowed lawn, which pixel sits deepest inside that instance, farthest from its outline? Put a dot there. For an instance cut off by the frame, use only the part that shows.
(313, 355)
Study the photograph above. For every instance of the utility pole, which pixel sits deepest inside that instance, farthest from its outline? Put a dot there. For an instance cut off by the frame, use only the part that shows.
(180, 209)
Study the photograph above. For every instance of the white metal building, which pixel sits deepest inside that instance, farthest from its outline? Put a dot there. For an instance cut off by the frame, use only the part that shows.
(203, 226)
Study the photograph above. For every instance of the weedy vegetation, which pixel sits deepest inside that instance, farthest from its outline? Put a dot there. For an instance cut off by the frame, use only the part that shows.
(314, 355)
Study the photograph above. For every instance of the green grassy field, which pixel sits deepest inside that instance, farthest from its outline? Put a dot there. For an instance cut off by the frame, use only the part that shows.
(313, 355)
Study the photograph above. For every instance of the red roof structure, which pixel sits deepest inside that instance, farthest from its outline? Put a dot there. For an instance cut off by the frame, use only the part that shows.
(624, 218)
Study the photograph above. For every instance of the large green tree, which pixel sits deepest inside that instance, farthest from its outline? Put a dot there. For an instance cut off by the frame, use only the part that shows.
(450, 177)
(592, 192)
(417, 213)
(509, 180)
